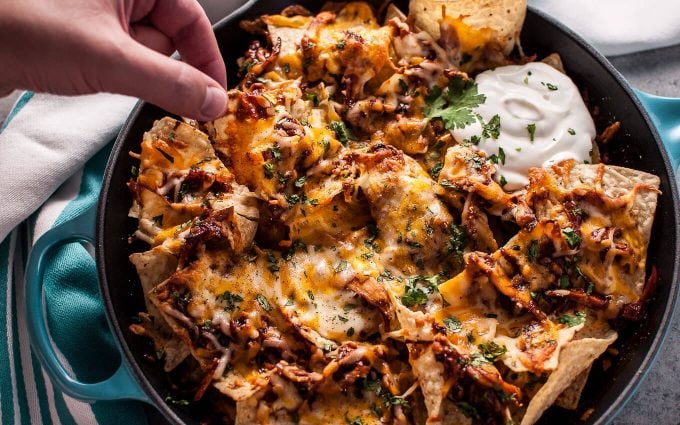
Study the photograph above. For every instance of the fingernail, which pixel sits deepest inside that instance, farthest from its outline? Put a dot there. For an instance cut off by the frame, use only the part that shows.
(214, 104)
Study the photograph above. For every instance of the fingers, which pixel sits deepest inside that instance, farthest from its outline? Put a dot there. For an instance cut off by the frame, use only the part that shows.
(152, 38)
(187, 25)
(173, 85)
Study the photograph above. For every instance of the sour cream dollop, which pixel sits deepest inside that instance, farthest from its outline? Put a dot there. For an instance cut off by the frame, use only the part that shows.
(533, 98)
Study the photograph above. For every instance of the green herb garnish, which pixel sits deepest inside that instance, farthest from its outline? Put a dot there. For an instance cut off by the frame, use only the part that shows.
(454, 104)
(573, 239)
(263, 302)
(491, 351)
(572, 320)
(531, 128)
(342, 133)
(453, 324)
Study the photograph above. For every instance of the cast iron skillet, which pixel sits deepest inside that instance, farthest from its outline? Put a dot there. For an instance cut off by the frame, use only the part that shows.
(637, 145)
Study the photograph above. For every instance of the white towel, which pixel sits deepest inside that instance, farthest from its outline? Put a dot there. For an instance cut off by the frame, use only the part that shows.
(48, 140)
(617, 27)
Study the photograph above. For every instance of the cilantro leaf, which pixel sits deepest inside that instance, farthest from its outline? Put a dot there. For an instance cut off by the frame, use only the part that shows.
(413, 296)
(492, 129)
(491, 351)
(573, 239)
(342, 133)
(531, 128)
(454, 104)
(453, 324)
(572, 320)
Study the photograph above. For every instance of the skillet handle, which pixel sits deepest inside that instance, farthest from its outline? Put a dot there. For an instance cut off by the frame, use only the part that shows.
(122, 384)
(665, 113)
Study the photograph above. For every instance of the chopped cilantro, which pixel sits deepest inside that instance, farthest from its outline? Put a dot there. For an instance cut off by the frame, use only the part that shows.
(492, 129)
(268, 170)
(134, 172)
(300, 182)
(341, 266)
(292, 199)
(447, 184)
(393, 400)
(491, 351)
(453, 324)
(355, 421)
(573, 239)
(458, 239)
(473, 140)
(342, 133)
(501, 155)
(503, 181)
(532, 252)
(468, 410)
(289, 302)
(341, 44)
(531, 128)
(349, 307)
(343, 319)
(413, 295)
(564, 281)
(276, 153)
(285, 68)
(571, 131)
(313, 97)
(310, 294)
(572, 320)
(436, 169)
(454, 104)
(403, 85)
(263, 302)
(350, 332)
(550, 86)
(477, 359)
(476, 162)
(231, 300)
(273, 263)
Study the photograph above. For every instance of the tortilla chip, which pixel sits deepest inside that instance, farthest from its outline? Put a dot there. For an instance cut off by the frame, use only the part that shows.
(635, 222)
(554, 60)
(153, 267)
(575, 358)
(434, 388)
(290, 31)
(570, 397)
(504, 17)
(619, 181)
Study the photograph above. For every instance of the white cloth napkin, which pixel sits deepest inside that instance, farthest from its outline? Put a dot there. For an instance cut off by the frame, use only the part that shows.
(48, 140)
(617, 27)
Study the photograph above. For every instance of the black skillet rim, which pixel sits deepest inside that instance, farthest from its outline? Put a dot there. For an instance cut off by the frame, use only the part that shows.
(606, 416)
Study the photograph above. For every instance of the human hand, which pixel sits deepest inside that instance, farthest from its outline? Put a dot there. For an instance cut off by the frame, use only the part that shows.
(73, 47)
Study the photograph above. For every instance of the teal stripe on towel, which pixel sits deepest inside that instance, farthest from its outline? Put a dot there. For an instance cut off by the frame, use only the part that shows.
(72, 281)
(6, 397)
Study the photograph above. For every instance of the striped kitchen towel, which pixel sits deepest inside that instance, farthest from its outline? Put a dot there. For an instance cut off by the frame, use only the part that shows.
(53, 151)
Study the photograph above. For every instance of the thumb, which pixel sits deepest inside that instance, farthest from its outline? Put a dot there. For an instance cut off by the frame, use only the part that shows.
(170, 84)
